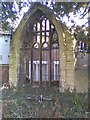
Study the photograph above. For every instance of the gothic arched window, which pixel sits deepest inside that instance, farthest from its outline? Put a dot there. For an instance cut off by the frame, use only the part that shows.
(44, 64)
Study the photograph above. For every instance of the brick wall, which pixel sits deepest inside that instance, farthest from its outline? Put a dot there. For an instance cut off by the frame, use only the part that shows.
(4, 74)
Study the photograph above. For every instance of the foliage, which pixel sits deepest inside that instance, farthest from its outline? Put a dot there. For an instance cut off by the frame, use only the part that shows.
(11, 12)
(62, 8)
(63, 105)
(11, 9)
(81, 34)
(7, 13)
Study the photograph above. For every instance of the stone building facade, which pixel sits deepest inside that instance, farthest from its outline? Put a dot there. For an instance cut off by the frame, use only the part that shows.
(26, 41)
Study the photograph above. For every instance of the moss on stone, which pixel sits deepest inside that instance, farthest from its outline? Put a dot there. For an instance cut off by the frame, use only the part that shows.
(66, 52)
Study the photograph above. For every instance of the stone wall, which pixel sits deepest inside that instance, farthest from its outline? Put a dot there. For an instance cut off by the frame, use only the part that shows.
(65, 44)
(67, 68)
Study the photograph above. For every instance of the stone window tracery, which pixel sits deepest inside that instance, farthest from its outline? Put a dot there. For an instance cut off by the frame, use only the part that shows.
(44, 64)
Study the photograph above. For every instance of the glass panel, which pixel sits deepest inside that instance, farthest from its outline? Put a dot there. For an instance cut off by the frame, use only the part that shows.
(36, 70)
(38, 26)
(47, 25)
(56, 70)
(38, 37)
(44, 70)
(43, 25)
(45, 61)
(47, 39)
(34, 27)
(43, 37)
(36, 45)
(47, 33)
(55, 62)
(36, 64)
(52, 26)
(45, 45)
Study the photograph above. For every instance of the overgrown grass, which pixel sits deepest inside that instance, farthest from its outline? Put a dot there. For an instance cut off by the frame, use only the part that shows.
(62, 105)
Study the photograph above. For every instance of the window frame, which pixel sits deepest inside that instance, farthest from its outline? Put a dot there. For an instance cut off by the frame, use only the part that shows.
(43, 33)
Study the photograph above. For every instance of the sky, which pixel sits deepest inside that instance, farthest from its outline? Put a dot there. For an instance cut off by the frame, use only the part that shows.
(76, 17)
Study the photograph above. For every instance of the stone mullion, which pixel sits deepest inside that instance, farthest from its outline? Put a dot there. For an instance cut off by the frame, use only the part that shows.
(31, 66)
(41, 52)
(50, 54)
(31, 54)
(27, 63)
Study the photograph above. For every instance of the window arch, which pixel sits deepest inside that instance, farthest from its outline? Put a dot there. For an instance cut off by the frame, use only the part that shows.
(44, 64)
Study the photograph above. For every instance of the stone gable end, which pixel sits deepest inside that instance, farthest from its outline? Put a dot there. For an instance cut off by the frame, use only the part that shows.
(20, 38)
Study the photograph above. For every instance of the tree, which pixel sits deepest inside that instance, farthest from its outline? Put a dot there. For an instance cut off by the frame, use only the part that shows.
(9, 15)
(12, 10)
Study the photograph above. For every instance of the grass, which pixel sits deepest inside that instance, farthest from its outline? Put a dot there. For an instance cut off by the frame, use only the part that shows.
(63, 105)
